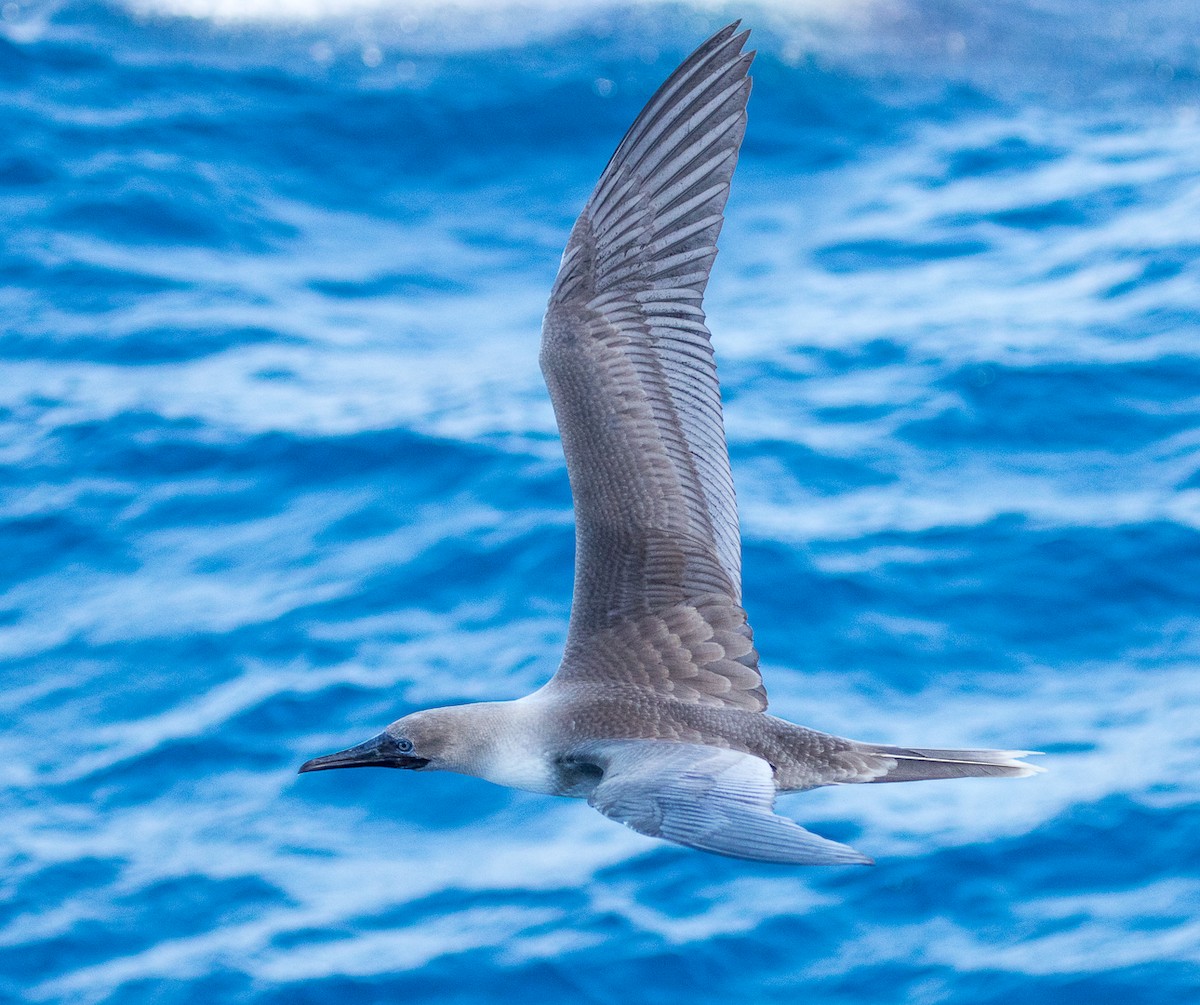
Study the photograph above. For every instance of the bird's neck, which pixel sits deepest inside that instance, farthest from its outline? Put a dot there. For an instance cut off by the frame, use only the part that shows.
(508, 745)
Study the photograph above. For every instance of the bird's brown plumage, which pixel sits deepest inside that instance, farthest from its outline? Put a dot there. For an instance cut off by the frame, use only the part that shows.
(630, 367)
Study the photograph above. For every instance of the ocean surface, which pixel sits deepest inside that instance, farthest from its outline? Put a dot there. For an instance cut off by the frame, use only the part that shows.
(277, 467)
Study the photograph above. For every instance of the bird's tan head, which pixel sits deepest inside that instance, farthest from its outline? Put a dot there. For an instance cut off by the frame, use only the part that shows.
(435, 739)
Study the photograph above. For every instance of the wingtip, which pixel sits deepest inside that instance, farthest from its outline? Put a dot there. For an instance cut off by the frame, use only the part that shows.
(739, 39)
(728, 33)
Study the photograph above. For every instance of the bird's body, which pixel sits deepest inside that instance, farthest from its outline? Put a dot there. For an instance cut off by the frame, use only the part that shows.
(657, 713)
(530, 743)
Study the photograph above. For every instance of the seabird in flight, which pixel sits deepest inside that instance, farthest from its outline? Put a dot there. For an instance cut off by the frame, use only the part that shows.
(657, 714)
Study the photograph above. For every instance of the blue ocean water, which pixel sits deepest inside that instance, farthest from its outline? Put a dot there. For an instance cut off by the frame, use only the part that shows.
(278, 467)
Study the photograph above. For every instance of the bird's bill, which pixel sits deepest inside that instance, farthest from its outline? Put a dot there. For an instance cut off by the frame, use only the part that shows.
(378, 752)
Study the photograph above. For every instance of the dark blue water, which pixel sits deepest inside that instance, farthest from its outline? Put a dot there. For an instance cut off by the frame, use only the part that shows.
(278, 467)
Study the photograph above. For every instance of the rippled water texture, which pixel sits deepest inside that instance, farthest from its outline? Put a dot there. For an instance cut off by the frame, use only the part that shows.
(278, 467)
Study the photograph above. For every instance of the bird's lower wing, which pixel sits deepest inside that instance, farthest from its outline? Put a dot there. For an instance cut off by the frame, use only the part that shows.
(703, 797)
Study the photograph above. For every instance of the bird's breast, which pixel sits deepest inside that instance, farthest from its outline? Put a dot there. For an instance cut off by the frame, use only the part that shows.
(522, 768)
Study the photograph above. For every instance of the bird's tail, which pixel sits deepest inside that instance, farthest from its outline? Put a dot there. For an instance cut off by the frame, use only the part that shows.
(914, 764)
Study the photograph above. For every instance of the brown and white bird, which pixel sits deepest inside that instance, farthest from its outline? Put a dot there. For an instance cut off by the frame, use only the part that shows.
(657, 713)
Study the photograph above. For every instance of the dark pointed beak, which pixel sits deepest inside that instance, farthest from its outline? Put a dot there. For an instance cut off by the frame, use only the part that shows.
(378, 752)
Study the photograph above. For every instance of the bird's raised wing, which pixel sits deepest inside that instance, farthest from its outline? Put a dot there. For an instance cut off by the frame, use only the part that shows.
(704, 797)
(628, 361)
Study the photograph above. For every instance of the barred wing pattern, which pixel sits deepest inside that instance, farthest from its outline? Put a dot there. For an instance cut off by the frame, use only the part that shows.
(629, 364)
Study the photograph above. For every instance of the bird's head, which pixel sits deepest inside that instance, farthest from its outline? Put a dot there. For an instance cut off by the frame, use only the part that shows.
(435, 739)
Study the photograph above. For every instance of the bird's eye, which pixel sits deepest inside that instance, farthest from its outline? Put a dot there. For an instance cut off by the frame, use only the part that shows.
(405, 746)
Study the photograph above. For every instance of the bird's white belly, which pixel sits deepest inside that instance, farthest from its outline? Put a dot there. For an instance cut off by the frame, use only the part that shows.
(521, 768)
